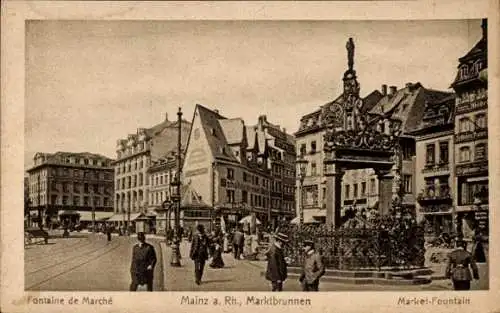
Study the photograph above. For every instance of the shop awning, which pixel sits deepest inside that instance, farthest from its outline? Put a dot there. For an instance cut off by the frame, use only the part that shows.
(124, 217)
(68, 212)
(309, 220)
(99, 216)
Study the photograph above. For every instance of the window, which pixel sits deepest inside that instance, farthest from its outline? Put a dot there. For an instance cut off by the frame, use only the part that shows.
(230, 196)
(118, 184)
(256, 180)
(141, 179)
(135, 180)
(407, 183)
(96, 188)
(469, 191)
(161, 180)
(141, 164)
(65, 187)
(464, 154)
(464, 125)
(313, 169)
(129, 168)
(97, 201)
(106, 201)
(245, 176)
(313, 147)
(372, 186)
(86, 161)
(363, 189)
(53, 199)
(480, 152)
(355, 191)
(481, 120)
(324, 193)
(76, 188)
(65, 200)
(85, 201)
(302, 149)
(86, 188)
(244, 196)
(230, 173)
(94, 162)
(76, 201)
(347, 191)
(430, 154)
(135, 165)
(443, 152)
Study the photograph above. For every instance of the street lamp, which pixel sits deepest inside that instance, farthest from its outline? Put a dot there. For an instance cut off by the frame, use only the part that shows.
(302, 162)
(175, 193)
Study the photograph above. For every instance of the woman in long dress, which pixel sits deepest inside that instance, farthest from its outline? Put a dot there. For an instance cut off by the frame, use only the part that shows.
(217, 261)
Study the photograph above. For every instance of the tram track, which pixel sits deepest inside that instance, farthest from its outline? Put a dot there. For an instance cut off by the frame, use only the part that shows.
(65, 249)
(107, 249)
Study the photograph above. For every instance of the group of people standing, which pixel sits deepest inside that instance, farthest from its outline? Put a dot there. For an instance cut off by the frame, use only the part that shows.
(313, 267)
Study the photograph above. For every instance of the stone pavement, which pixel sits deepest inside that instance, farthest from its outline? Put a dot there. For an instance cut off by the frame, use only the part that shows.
(244, 275)
(84, 262)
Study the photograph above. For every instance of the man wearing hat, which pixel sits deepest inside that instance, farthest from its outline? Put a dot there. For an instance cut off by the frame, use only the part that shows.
(199, 252)
(276, 271)
(143, 263)
(312, 269)
(458, 265)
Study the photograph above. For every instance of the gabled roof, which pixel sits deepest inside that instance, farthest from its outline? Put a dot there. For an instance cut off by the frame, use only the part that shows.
(233, 129)
(215, 135)
(408, 104)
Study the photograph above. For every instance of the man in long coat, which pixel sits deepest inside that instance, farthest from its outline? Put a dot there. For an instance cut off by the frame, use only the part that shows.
(458, 265)
(312, 269)
(199, 252)
(276, 271)
(238, 241)
(143, 263)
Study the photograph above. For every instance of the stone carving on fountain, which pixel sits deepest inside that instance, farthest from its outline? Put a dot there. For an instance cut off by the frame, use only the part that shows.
(347, 125)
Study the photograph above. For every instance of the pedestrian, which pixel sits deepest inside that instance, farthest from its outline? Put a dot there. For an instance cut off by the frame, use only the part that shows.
(199, 252)
(458, 265)
(478, 249)
(276, 271)
(217, 261)
(238, 241)
(108, 232)
(312, 269)
(143, 263)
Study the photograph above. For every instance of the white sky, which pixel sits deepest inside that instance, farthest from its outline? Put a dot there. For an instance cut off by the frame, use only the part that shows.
(90, 83)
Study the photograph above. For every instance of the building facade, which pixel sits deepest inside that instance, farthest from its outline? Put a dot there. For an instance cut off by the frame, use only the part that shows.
(135, 155)
(471, 140)
(310, 146)
(67, 187)
(239, 170)
(435, 174)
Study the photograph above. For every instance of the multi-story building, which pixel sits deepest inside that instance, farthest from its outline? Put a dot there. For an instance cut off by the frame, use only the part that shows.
(68, 186)
(309, 144)
(361, 188)
(471, 140)
(434, 166)
(238, 170)
(135, 155)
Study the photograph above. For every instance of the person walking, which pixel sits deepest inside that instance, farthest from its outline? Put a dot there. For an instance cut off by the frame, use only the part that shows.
(276, 271)
(108, 232)
(457, 268)
(217, 261)
(143, 263)
(312, 269)
(199, 252)
(238, 241)
(478, 249)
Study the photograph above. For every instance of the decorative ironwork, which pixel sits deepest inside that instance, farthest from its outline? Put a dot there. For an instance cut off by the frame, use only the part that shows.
(388, 241)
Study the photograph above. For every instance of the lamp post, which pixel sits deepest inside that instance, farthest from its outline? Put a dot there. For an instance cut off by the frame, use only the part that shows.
(93, 210)
(302, 162)
(176, 197)
(40, 223)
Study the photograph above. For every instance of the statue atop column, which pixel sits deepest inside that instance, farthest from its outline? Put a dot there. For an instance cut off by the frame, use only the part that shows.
(350, 53)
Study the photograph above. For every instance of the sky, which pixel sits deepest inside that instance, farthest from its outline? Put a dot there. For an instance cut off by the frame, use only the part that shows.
(90, 83)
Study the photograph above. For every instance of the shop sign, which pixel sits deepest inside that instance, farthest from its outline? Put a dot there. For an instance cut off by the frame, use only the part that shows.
(472, 168)
(435, 209)
(196, 172)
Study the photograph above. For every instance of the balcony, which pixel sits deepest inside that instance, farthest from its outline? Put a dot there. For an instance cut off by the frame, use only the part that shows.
(437, 167)
(480, 133)
(466, 107)
(472, 168)
(435, 195)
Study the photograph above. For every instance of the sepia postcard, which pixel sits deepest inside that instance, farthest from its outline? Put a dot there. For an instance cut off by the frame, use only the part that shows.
(335, 156)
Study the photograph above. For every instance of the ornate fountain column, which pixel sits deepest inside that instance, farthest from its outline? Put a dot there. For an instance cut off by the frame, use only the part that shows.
(334, 174)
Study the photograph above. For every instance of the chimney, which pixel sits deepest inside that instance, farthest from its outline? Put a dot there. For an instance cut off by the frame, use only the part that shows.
(284, 130)
(216, 111)
(393, 90)
(166, 117)
(484, 26)
(409, 85)
(384, 90)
